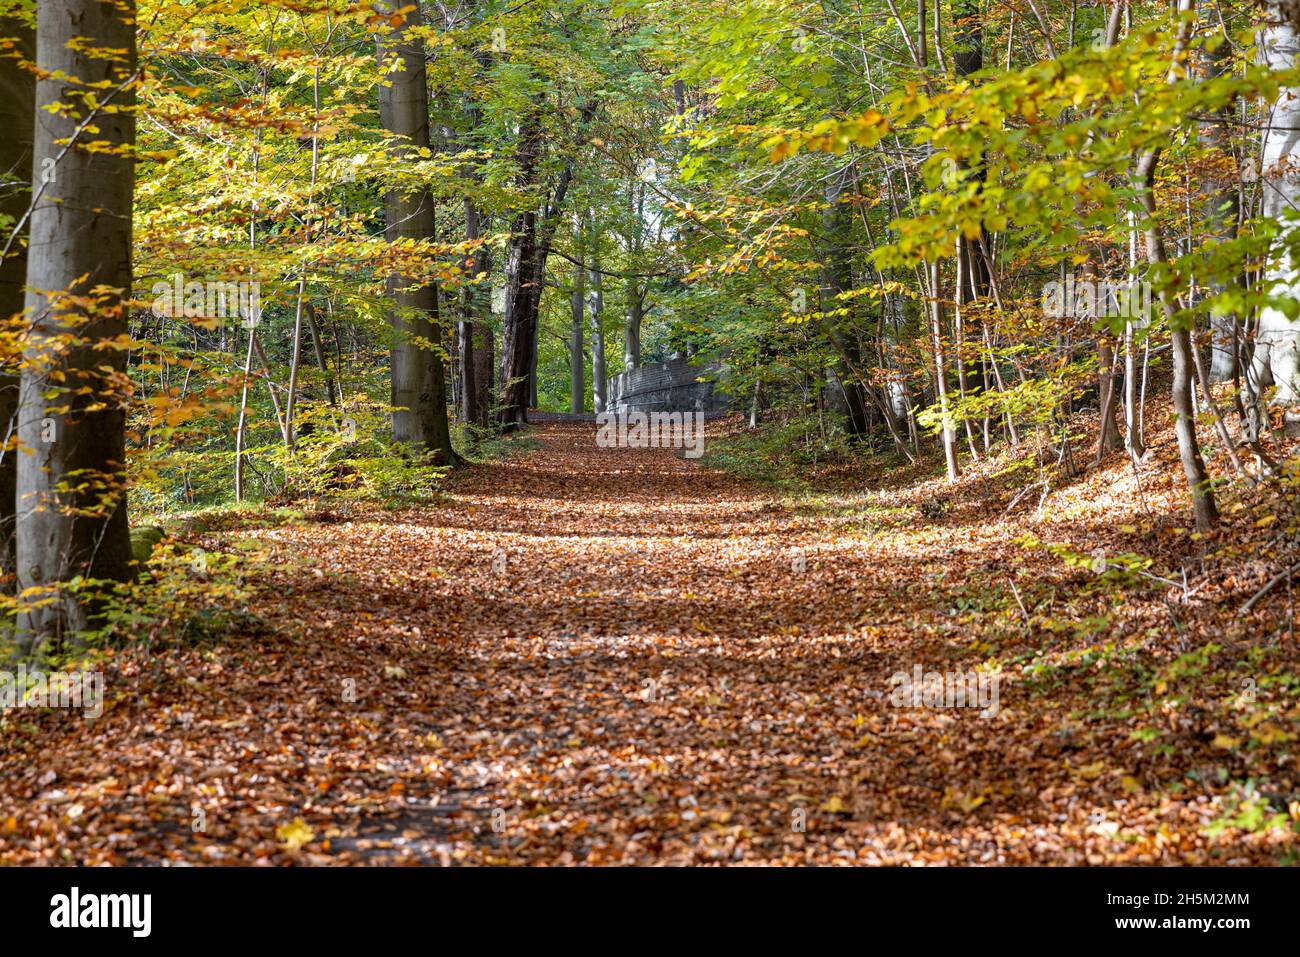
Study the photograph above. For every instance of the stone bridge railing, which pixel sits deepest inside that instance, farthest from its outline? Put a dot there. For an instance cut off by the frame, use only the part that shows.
(666, 387)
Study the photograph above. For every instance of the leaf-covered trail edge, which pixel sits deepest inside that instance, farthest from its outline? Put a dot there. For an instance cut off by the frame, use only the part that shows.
(587, 655)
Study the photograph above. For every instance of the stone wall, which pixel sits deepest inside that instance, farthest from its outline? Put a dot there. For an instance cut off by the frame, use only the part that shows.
(666, 387)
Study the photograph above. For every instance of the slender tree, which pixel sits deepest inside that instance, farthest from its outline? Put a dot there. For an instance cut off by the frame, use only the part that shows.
(473, 314)
(1189, 449)
(595, 309)
(577, 302)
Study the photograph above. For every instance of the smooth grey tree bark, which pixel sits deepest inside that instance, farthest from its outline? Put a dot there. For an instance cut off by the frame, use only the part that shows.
(577, 365)
(17, 114)
(1222, 197)
(1189, 449)
(71, 487)
(595, 309)
(1276, 359)
(418, 382)
(472, 311)
(636, 292)
(632, 326)
(941, 376)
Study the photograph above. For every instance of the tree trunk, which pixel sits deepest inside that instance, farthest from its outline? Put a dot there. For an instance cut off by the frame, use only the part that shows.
(1108, 439)
(17, 111)
(1276, 360)
(470, 315)
(241, 427)
(71, 489)
(520, 270)
(534, 401)
(632, 326)
(318, 348)
(941, 377)
(295, 359)
(530, 245)
(635, 291)
(517, 336)
(972, 273)
(595, 308)
(1133, 439)
(418, 383)
(485, 370)
(577, 366)
(1108, 435)
(963, 286)
(1189, 449)
(837, 277)
(1222, 199)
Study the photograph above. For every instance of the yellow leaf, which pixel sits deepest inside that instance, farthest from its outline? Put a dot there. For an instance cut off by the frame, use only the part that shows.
(1225, 742)
(1089, 772)
(835, 805)
(295, 834)
(954, 801)
(1271, 734)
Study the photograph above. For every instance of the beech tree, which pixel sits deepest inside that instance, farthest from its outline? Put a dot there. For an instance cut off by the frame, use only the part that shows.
(417, 377)
(577, 309)
(71, 494)
(1276, 360)
(17, 114)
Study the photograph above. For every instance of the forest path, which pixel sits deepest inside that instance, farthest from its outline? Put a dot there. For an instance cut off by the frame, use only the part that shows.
(597, 655)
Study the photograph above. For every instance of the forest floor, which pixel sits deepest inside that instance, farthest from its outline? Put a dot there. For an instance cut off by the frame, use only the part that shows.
(588, 655)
